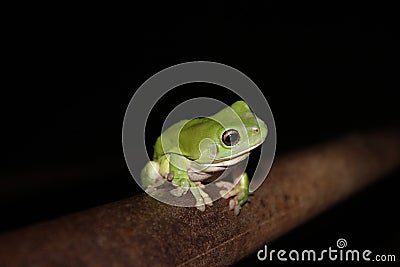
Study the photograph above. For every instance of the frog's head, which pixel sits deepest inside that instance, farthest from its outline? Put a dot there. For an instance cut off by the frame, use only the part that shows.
(224, 138)
(242, 131)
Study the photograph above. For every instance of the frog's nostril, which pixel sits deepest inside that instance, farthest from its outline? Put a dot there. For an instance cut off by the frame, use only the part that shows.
(256, 130)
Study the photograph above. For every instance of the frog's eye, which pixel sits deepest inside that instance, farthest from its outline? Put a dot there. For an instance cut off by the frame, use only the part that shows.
(230, 137)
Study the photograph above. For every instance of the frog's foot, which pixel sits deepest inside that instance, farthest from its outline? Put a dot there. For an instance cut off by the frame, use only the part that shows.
(238, 193)
(182, 186)
(201, 197)
(150, 189)
(237, 201)
(178, 192)
(199, 184)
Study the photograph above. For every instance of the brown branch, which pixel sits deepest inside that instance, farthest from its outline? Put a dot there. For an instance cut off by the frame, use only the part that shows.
(142, 231)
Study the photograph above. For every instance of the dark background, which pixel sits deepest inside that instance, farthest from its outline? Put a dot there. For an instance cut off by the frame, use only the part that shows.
(70, 74)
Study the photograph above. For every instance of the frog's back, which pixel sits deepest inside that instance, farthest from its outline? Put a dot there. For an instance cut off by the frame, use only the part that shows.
(170, 142)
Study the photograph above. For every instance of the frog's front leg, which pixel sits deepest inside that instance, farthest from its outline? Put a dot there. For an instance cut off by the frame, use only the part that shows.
(202, 198)
(180, 178)
(150, 176)
(239, 192)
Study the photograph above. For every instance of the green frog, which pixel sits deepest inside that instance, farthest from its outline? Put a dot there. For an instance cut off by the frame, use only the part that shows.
(191, 151)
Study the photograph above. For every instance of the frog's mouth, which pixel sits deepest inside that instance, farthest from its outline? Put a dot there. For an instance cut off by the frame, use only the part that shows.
(229, 161)
(218, 166)
(244, 152)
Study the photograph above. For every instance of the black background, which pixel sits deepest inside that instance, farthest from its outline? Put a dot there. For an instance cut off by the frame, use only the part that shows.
(70, 74)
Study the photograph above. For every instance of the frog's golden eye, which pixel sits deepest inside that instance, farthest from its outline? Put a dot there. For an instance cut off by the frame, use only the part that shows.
(230, 137)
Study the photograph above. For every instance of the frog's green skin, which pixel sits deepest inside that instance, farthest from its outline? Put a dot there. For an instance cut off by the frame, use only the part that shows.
(190, 151)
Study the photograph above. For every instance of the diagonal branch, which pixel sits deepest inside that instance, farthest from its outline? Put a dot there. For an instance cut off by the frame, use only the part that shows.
(142, 231)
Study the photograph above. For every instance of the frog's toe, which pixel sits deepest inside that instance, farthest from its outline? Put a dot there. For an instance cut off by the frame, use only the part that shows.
(150, 189)
(237, 209)
(200, 206)
(208, 200)
(201, 202)
(223, 193)
(201, 197)
(234, 205)
(199, 184)
(178, 192)
(238, 196)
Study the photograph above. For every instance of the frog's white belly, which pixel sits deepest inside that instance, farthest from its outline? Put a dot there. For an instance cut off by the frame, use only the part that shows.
(200, 172)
